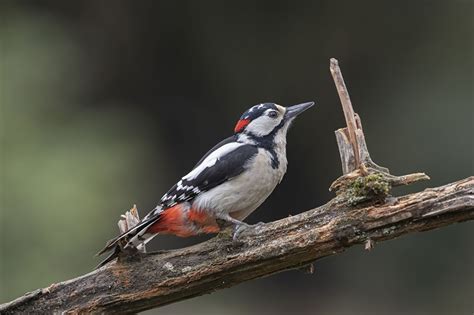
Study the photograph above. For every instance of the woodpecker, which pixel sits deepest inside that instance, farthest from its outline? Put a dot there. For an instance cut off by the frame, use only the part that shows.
(227, 184)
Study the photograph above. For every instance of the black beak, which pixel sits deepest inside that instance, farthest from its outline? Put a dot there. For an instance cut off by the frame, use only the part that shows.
(295, 110)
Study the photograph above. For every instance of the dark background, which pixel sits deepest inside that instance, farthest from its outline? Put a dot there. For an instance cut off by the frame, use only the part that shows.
(109, 103)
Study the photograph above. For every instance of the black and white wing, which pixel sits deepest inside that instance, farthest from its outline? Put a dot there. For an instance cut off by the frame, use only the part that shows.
(223, 162)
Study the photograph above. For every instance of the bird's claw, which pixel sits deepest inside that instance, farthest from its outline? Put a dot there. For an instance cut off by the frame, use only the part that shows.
(240, 228)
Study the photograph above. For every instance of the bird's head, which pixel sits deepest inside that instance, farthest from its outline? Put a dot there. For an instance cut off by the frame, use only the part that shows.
(268, 119)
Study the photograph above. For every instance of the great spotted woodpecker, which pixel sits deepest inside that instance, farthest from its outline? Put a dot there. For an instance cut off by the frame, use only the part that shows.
(229, 182)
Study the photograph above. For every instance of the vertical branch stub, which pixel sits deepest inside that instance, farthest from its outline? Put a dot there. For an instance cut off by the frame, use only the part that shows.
(349, 114)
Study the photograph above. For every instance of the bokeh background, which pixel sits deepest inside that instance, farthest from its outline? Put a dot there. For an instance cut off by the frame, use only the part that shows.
(108, 103)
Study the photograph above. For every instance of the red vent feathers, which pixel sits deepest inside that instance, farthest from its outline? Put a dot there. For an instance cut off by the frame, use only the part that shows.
(241, 124)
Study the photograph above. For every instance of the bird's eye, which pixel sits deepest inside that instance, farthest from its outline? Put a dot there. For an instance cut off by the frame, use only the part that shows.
(273, 114)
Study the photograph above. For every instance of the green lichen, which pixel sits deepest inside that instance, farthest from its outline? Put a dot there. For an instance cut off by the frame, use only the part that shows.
(370, 187)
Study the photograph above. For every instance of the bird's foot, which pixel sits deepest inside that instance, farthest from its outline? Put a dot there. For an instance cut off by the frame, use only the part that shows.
(240, 228)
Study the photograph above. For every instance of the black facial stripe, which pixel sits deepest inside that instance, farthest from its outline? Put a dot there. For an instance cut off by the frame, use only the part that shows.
(266, 142)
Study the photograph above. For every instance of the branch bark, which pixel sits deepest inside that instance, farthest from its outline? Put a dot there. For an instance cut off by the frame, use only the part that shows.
(146, 281)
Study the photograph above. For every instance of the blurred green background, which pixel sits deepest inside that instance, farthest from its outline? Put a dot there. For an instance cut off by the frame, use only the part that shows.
(107, 103)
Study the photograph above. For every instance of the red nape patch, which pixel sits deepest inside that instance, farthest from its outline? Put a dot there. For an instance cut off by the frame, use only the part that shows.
(241, 124)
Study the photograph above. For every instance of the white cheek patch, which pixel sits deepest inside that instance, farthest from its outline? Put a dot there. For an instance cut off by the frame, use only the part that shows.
(262, 125)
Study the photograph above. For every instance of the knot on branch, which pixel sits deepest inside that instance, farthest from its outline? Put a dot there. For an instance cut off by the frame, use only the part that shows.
(355, 188)
(364, 188)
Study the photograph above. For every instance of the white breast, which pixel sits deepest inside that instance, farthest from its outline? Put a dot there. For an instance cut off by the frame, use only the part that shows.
(245, 192)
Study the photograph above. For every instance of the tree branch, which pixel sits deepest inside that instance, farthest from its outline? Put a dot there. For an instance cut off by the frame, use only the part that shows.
(143, 282)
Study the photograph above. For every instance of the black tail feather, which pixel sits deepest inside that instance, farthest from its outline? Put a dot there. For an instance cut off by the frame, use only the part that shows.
(109, 258)
(116, 244)
(111, 243)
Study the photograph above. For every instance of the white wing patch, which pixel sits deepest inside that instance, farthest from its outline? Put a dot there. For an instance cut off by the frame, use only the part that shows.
(212, 159)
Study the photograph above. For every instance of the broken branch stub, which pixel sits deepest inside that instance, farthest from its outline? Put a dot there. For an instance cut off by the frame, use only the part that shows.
(348, 159)
(128, 221)
(349, 115)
